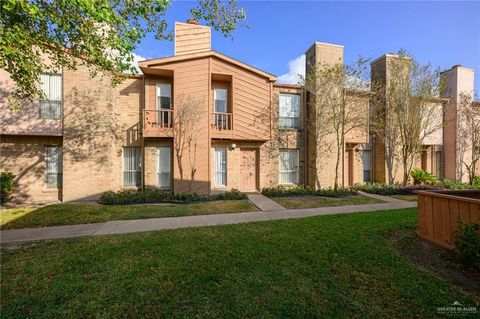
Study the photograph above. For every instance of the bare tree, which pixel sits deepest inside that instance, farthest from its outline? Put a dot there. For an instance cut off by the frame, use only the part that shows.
(469, 135)
(406, 112)
(186, 130)
(332, 100)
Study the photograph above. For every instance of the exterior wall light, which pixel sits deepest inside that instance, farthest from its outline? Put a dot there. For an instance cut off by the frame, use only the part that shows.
(234, 146)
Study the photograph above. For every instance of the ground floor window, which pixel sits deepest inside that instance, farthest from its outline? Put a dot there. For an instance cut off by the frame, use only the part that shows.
(438, 164)
(132, 166)
(289, 166)
(53, 166)
(367, 164)
(220, 169)
(164, 166)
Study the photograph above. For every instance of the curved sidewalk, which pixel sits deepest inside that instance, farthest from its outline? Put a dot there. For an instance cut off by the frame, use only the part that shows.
(141, 225)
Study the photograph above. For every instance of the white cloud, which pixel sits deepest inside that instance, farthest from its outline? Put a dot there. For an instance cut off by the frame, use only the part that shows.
(295, 67)
(137, 58)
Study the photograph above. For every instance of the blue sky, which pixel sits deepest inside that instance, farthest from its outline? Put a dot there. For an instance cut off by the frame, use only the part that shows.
(443, 33)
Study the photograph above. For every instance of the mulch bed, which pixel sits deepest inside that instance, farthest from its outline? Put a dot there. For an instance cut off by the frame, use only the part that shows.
(437, 260)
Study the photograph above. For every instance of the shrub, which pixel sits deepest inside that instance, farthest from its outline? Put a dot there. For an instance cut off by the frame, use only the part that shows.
(394, 189)
(476, 181)
(128, 196)
(423, 177)
(6, 185)
(467, 243)
(233, 194)
(283, 191)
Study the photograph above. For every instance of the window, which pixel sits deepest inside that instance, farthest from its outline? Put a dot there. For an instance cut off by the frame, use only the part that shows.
(289, 168)
(51, 104)
(164, 102)
(164, 96)
(220, 171)
(53, 166)
(438, 164)
(289, 110)
(367, 160)
(220, 98)
(131, 166)
(163, 166)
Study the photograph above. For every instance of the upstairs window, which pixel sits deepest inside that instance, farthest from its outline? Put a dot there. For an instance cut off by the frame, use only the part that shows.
(51, 103)
(132, 166)
(289, 110)
(164, 96)
(220, 98)
(53, 166)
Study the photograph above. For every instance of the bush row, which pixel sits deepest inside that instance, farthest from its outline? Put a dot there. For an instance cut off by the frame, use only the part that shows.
(281, 191)
(372, 188)
(127, 196)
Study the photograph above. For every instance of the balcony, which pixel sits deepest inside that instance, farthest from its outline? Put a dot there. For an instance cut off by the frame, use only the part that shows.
(222, 125)
(158, 123)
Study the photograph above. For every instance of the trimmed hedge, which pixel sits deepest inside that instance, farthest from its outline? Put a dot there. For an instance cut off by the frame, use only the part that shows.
(394, 189)
(283, 191)
(6, 185)
(127, 196)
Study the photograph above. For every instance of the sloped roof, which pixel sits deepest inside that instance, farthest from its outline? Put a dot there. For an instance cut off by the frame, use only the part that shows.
(144, 65)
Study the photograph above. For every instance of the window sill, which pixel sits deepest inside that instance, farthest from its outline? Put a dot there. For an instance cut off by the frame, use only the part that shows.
(290, 129)
(51, 190)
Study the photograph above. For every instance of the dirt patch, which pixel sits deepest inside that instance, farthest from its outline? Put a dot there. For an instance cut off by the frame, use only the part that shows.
(437, 260)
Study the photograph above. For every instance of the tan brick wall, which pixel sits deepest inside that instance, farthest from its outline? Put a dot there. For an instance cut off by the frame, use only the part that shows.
(99, 120)
(24, 156)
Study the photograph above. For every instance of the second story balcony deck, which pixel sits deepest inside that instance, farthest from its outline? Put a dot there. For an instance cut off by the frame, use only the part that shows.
(222, 125)
(158, 123)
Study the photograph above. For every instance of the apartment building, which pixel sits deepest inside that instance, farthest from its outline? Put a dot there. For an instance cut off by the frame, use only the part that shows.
(250, 132)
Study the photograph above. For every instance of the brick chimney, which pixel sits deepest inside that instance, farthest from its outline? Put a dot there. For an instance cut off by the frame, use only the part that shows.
(191, 37)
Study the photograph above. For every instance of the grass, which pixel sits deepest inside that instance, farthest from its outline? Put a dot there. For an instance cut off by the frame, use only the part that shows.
(408, 198)
(318, 201)
(69, 214)
(321, 267)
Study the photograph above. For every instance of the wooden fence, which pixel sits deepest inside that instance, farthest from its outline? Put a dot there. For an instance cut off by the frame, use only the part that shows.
(439, 214)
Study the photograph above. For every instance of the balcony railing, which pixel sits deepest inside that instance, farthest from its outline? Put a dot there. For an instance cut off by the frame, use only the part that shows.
(222, 121)
(157, 122)
(158, 118)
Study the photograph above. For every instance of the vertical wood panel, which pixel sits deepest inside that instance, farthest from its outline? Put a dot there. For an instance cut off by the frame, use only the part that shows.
(437, 218)
(428, 217)
(421, 214)
(444, 217)
(454, 217)
(474, 213)
(464, 212)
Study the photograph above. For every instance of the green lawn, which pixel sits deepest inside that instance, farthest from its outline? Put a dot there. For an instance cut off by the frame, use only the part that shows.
(340, 266)
(69, 214)
(409, 198)
(318, 201)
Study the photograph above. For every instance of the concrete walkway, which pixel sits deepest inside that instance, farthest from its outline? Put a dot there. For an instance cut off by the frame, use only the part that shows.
(140, 225)
(264, 203)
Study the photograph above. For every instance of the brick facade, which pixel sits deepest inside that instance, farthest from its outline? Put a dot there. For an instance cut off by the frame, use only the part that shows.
(99, 121)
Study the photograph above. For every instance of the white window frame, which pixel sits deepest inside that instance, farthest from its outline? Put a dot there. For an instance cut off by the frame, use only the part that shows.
(50, 106)
(53, 172)
(216, 92)
(220, 170)
(289, 122)
(136, 173)
(293, 171)
(159, 148)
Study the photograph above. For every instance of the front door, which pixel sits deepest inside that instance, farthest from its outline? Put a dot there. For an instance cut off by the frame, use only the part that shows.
(248, 169)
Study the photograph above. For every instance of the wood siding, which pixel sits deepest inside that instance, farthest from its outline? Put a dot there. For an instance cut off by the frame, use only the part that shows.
(191, 38)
